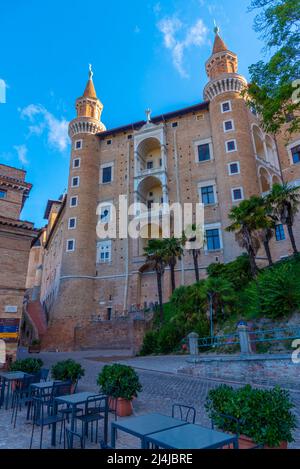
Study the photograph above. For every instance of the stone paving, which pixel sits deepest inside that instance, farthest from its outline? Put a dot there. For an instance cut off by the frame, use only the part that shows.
(161, 388)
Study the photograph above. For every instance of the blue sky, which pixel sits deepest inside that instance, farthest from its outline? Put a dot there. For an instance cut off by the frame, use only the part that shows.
(144, 53)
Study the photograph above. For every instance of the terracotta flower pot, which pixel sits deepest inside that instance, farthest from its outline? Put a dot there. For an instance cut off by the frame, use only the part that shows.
(247, 443)
(123, 407)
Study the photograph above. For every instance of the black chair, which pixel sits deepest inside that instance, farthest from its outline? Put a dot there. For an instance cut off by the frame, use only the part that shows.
(184, 412)
(41, 418)
(222, 426)
(44, 374)
(70, 434)
(22, 394)
(96, 409)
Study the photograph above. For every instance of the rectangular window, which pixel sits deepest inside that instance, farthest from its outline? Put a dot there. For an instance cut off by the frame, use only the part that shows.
(76, 163)
(279, 233)
(108, 142)
(105, 214)
(296, 154)
(204, 152)
(174, 124)
(230, 146)
(149, 164)
(75, 181)
(160, 162)
(72, 223)
(3, 194)
(228, 126)
(234, 168)
(226, 106)
(78, 144)
(74, 201)
(70, 245)
(213, 241)
(104, 252)
(106, 176)
(237, 194)
(208, 195)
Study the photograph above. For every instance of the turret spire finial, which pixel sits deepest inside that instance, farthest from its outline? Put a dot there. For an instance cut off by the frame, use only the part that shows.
(91, 73)
(148, 114)
(216, 28)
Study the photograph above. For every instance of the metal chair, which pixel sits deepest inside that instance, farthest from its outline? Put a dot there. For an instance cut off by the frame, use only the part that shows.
(96, 409)
(184, 412)
(43, 419)
(44, 374)
(69, 438)
(225, 417)
(22, 394)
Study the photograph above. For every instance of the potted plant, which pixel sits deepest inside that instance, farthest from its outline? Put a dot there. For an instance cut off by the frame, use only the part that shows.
(31, 366)
(263, 417)
(67, 370)
(28, 365)
(121, 383)
(35, 346)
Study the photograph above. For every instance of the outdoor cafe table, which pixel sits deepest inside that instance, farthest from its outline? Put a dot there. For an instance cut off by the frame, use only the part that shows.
(191, 436)
(74, 400)
(144, 425)
(9, 377)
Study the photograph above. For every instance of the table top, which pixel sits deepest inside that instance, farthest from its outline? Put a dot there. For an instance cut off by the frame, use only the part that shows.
(44, 384)
(75, 399)
(13, 375)
(190, 436)
(147, 424)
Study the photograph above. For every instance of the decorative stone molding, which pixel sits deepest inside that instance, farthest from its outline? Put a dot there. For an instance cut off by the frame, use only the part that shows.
(228, 83)
(85, 126)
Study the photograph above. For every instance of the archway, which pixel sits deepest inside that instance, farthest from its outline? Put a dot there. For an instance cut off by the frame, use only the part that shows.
(265, 180)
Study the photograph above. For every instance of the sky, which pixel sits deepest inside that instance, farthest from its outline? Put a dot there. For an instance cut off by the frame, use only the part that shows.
(144, 54)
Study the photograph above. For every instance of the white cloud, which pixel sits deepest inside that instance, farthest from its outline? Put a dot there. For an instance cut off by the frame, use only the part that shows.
(22, 151)
(195, 35)
(157, 8)
(137, 30)
(44, 121)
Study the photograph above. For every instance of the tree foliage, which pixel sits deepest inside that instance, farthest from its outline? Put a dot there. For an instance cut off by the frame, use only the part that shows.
(275, 83)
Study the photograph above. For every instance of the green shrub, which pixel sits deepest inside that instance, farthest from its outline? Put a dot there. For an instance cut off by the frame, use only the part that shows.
(119, 381)
(150, 345)
(275, 293)
(28, 365)
(169, 338)
(238, 272)
(67, 370)
(264, 415)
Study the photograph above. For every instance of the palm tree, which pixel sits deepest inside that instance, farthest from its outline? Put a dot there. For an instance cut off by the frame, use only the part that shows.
(155, 258)
(285, 201)
(246, 228)
(172, 248)
(265, 223)
(194, 251)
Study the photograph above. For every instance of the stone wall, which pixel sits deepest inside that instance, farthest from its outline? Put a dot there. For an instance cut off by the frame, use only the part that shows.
(118, 334)
(255, 370)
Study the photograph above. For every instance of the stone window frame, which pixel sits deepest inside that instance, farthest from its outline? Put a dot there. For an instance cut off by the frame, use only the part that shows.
(74, 178)
(289, 150)
(213, 226)
(225, 102)
(233, 126)
(108, 243)
(235, 145)
(71, 198)
(73, 165)
(204, 141)
(207, 183)
(81, 144)
(72, 240)
(242, 194)
(229, 168)
(72, 227)
(104, 205)
(103, 166)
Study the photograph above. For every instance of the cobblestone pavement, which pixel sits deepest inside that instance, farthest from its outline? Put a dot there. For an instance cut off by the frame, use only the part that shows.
(160, 390)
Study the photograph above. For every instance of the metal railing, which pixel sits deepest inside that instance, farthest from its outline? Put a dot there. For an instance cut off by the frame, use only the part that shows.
(274, 335)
